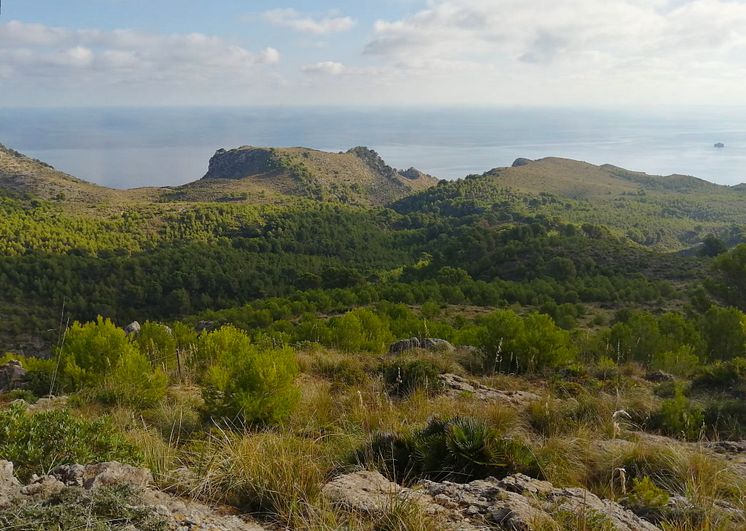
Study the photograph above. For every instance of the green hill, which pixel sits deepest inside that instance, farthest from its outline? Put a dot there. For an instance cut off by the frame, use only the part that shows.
(668, 213)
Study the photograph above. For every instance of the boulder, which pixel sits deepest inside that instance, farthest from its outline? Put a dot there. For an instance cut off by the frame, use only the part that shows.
(433, 343)
(521, 162)
(43, 487)
(457, 386)
(12, 376)
(102, 474)
(10, 487)
(132, 328)
(404, 345)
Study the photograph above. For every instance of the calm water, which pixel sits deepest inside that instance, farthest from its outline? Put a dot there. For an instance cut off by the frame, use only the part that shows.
(136, 147)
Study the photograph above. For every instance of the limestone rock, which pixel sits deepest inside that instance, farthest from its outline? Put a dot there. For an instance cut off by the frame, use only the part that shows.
(457, 385)
(43, 487)
(404, 345)
(365, 492)
(12, 376)
(132, 328)
(10, 487)
(103, 474)
(433, 343)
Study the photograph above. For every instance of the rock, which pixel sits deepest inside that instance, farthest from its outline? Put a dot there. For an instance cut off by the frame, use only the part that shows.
(433, 343)
(43, 487)
(47, 403)
(10, 487)
(404, 345)
(12, 376)
(580, 501)
(70, 475)
(204, 326)
(719, 145)
(103, 474)
(456, 385)
(365, 492)
(727, 447)
(659, 377)
(132, 328)
(521, 162)
(517, 502)
(113, 473)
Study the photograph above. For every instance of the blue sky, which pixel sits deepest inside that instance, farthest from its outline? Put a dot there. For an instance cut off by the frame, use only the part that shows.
(455, 52)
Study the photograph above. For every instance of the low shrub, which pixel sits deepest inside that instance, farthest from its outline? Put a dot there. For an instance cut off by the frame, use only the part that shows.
(405, 376)
(107, 508)
(726, 419)
(727, 376)
(680, 417)
(461, 449)
(36, 443)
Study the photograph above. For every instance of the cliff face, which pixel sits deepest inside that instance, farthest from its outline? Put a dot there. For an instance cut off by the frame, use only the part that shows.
(242, 162)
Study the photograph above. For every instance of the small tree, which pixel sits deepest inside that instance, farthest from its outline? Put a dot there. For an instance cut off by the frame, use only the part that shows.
(244, 383)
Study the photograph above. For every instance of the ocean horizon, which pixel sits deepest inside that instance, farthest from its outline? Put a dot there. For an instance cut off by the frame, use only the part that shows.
(169, 146)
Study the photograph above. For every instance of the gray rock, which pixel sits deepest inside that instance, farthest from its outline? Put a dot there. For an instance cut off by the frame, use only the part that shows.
(12, 376)
(404, 345)
(457, 385)
(517, 502)
(10, 487)
(521, 162)
(132, 328)
(433, 343)
(43, 487)
(102, 474)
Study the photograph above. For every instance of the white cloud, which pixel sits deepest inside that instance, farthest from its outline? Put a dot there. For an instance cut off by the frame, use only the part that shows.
(290, 18)
(325, 67)
(30, 51)
(569, 51)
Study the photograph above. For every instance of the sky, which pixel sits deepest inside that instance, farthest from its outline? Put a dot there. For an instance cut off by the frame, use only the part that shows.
(373, 52)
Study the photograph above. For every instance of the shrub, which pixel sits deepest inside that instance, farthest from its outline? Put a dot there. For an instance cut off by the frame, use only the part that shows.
(646, 494)
(115, 507)
(346, 371)
(722, 376)
(680, 417)
(99, 358)
(158, 343)
(726, 419)
(460, 449)
(681, 362)
(405, 376)
(245, 383)
(36, 443)
(39, 372)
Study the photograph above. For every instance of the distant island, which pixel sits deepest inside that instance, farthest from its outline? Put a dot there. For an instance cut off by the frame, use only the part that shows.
(719, 145)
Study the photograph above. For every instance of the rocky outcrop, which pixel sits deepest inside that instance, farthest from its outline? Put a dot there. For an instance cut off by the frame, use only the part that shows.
(517, 503)
(413, 174)
(179, 514)
(374, 161)
(12, 376)
(521, 162)
(428, 343)
(404, 345)
(458, 386)
(242, 162)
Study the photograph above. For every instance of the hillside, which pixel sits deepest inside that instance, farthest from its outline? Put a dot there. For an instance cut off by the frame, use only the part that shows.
(255, 174)
(670, 213)
(21, 176)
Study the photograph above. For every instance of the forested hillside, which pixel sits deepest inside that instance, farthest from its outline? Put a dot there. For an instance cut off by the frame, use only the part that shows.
(300, 337)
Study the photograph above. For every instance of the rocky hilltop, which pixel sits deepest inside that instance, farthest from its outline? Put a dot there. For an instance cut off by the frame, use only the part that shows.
(358, 176)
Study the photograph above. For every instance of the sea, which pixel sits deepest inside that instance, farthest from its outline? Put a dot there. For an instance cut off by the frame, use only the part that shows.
(135, 147)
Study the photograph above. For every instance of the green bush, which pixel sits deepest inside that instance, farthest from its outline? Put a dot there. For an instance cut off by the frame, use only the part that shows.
(680, 417)
(39, 372)
(36, 443)
(727, 376)
(681, 362)
(510, 343)
(405, 376)
(158, 343)
(726, 419)
(247, 384)
(461, 449)
(100, 359)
